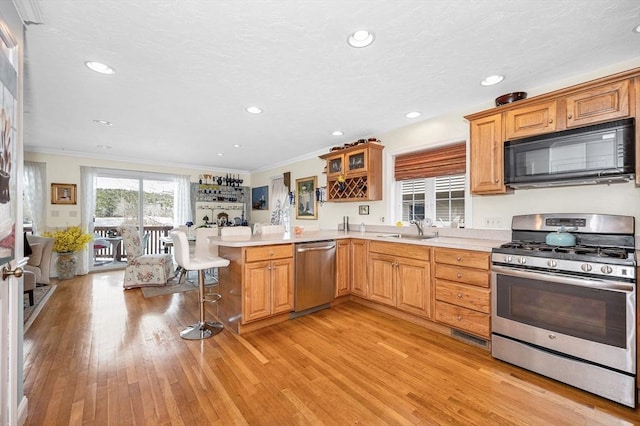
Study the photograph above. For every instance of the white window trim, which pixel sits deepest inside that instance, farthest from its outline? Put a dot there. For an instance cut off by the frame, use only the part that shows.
(391, 191)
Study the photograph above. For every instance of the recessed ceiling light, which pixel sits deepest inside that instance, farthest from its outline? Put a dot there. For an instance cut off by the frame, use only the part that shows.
(492, 79)
(220, 154)
(412, 114)
(637, 29)
(337, 133)
(254, 110)
(103, 122)
(100, 67)
(103, 146)
(237, 145)
(361, 38)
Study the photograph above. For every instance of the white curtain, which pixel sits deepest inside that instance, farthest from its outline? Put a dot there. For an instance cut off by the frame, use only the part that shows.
(182, 201)
(87, 201)
(280, 202)
(35, 194)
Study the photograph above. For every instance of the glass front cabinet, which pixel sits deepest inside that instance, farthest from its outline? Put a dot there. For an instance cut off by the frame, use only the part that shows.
(355, 173)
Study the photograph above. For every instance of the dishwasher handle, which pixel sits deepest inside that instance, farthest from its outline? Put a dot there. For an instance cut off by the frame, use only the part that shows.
(302, 248)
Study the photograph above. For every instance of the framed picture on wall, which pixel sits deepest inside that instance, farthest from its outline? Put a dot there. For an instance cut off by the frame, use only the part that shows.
(306, 203)
(63, 193)
(260, 198)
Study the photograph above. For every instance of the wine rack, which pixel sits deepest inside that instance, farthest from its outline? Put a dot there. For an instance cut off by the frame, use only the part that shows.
(349, 190)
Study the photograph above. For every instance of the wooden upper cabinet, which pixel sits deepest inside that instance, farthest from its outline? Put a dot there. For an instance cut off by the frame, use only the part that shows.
(356, 162)
(606, 99)
(486, 156)
(531, 120)
(355, 173)
(598, 104)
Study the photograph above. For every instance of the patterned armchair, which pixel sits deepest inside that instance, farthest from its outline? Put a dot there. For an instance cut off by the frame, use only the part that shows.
(143, 270)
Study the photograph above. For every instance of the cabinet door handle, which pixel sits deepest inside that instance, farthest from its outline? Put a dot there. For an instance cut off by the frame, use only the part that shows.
(550, 120)
(459, 317)
(569, 116)
(271, 253)
(458, 258)
(459, 295)
(459, 275)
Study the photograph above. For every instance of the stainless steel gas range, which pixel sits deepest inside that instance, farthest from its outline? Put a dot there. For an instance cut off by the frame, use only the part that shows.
(569, 312)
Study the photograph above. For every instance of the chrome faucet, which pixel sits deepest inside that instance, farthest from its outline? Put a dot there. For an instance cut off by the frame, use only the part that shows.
(418, 224)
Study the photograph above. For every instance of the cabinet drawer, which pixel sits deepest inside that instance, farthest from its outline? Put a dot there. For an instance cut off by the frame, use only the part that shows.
(458, 274)
(254, 254)
(467, 258)
(474, 298)
(468, 320)
(412, 251)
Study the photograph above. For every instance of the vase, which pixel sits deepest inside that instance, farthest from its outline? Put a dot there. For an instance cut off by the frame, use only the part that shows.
(66, 265)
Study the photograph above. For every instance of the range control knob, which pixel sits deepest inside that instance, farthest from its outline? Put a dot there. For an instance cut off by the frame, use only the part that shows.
(552, 263)
(522, 260)
(586, 267)
(508, 259)
(606, 269)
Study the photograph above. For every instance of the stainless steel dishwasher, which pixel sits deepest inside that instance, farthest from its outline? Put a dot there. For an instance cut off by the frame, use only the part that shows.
(315, 276)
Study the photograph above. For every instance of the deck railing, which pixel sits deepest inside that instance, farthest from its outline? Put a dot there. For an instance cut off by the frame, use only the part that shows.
(152, 242)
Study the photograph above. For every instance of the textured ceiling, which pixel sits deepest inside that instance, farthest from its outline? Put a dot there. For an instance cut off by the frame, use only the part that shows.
(187, 69)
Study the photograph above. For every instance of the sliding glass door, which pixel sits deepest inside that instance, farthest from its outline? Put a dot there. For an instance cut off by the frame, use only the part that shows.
(131, 198)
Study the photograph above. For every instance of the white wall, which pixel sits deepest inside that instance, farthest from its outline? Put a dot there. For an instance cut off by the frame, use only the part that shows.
(63, 169)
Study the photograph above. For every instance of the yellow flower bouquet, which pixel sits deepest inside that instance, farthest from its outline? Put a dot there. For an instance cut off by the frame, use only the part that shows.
(68, 240)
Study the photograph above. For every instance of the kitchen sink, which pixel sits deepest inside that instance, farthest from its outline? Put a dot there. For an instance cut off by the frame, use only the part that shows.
(410, 237)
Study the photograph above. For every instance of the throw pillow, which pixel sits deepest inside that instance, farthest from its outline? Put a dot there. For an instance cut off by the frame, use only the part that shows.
(36, 254)
(27, 247)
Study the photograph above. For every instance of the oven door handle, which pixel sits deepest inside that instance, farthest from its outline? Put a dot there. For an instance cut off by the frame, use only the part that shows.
(563, 279)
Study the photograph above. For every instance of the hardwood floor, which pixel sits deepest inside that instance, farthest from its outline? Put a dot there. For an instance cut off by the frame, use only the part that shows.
(99, 355)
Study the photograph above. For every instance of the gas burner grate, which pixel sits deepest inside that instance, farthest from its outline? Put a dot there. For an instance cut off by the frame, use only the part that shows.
(577, 251)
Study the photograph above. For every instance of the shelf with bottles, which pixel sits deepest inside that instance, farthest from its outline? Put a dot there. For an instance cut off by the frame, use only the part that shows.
(234, 181)
(220, 193)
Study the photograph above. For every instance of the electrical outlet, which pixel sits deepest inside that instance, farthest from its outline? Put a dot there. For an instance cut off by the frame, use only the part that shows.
(493, 221)
(381, 219)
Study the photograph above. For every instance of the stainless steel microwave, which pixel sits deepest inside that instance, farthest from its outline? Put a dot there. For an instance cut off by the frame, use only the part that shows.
(602, 153)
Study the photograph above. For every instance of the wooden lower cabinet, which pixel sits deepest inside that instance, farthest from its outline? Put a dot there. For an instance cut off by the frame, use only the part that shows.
(359, 252)
(267, 285)
(343, 266)
(399, 276)
(462, 290)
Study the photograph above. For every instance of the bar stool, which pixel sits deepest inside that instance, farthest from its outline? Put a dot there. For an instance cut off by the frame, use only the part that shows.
(233, 231)
(204, 248)
(272, 229)
(202, 329)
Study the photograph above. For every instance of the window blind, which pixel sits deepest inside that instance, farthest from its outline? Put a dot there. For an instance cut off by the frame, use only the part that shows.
(447, 160)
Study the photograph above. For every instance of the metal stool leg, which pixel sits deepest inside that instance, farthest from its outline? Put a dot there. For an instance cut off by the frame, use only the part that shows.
(202, 329)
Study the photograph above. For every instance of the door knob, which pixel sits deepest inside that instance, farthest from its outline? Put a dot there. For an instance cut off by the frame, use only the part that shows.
(6, 272)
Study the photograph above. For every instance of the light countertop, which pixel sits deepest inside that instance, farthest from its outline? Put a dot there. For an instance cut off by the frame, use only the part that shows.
(462, 241)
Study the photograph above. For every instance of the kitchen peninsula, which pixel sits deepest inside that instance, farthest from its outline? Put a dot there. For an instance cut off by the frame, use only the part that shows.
(257, 287)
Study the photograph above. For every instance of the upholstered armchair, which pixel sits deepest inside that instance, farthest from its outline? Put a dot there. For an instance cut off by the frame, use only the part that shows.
(143, 270)
(40, 258)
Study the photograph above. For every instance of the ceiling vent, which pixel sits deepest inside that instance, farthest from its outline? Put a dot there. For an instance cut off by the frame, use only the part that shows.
(29, 11)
